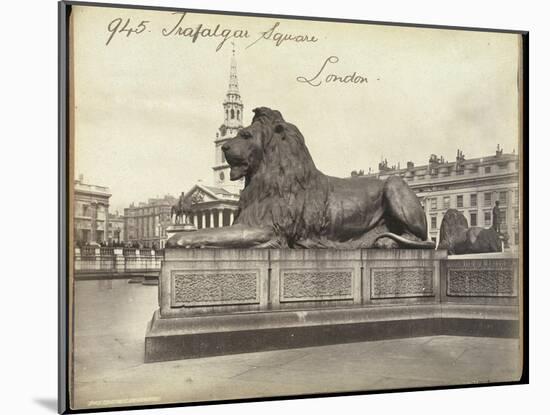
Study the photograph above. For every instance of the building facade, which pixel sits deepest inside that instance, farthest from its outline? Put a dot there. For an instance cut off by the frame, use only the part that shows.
(116, 228)
(145, 224)
(471, 186)
(91, 213)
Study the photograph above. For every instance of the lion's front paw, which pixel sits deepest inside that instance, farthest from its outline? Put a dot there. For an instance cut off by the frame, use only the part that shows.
(386, 243)
(184, 240)
(189, 243)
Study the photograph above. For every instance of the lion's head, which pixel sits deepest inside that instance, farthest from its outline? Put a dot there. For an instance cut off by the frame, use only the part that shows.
(283, 188)
(268, 133)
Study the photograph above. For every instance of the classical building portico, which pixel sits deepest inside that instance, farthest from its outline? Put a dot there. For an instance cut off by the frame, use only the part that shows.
(211, 207)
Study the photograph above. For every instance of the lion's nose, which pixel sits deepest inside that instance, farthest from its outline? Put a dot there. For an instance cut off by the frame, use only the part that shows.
(225, 147)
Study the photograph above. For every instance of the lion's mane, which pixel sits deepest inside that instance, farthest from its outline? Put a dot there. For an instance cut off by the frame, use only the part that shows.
(286, 192)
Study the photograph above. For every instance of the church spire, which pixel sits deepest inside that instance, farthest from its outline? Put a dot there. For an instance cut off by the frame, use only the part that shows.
(232, 105)
(233, 122)
(233, 81)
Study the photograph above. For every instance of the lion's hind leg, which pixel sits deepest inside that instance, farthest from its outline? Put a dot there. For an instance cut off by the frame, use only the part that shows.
(405, 215)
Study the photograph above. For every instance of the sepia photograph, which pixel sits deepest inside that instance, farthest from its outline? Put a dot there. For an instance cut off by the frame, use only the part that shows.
(266, 206)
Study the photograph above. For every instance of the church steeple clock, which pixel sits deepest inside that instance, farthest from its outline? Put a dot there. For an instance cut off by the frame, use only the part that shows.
(233, 122)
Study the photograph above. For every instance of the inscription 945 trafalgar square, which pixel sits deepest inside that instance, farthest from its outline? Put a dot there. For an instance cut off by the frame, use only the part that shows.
(126, 27)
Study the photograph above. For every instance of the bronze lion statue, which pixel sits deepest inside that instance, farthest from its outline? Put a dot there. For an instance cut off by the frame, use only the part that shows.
(287, 202)
(457, 238)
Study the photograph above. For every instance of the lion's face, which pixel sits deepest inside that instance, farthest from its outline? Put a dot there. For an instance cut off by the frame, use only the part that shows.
(244, 152)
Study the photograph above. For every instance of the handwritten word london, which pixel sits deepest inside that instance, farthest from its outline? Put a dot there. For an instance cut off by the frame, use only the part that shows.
(120, 27)
(320, 77)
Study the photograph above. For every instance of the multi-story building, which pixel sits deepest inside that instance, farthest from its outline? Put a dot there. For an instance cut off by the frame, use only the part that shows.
(472, 186)
(91, 212)
(145, 224)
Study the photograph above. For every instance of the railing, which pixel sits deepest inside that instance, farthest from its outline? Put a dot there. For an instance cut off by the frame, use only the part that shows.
(105, 251)
(116, 262)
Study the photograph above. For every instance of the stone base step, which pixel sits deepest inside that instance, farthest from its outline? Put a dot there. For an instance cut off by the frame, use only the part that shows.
(194, 337)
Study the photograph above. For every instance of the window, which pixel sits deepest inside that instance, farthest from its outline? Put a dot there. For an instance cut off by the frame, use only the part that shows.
(516, 197)
(503, 217)
(473, 219)
(473, 200)
(433, 203)
(238, 114)
(487, 199)
(488, 169)
(459, 201)
(516, 238)
(446, 202)
(232, 114)
(502, 196)
(516, 217)
(433, 223)
(487, 217)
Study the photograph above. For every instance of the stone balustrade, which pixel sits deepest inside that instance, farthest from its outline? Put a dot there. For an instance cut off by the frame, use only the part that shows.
(109, 262)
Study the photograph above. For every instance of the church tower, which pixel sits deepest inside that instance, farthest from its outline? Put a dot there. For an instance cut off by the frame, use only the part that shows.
(233, 122)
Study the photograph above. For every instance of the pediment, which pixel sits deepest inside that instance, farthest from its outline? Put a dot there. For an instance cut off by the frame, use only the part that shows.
(199, 194)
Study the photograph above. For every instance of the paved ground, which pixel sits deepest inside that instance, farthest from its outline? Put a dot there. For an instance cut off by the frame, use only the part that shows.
(111, 318)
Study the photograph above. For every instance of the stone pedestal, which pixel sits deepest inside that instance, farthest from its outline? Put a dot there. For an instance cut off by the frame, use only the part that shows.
(222, 301)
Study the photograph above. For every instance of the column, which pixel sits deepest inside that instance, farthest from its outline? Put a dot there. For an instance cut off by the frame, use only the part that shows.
(220, 218)
(231, 217)
(93, 223)
(211, 219)
(203, 224)
(196, 219)
(106, 231)
(183, 218)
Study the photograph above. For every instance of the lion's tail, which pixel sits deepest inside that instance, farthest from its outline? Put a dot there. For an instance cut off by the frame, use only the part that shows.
(407, 243)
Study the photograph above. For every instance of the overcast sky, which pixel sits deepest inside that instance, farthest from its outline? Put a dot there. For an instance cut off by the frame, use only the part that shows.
(148, 106)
